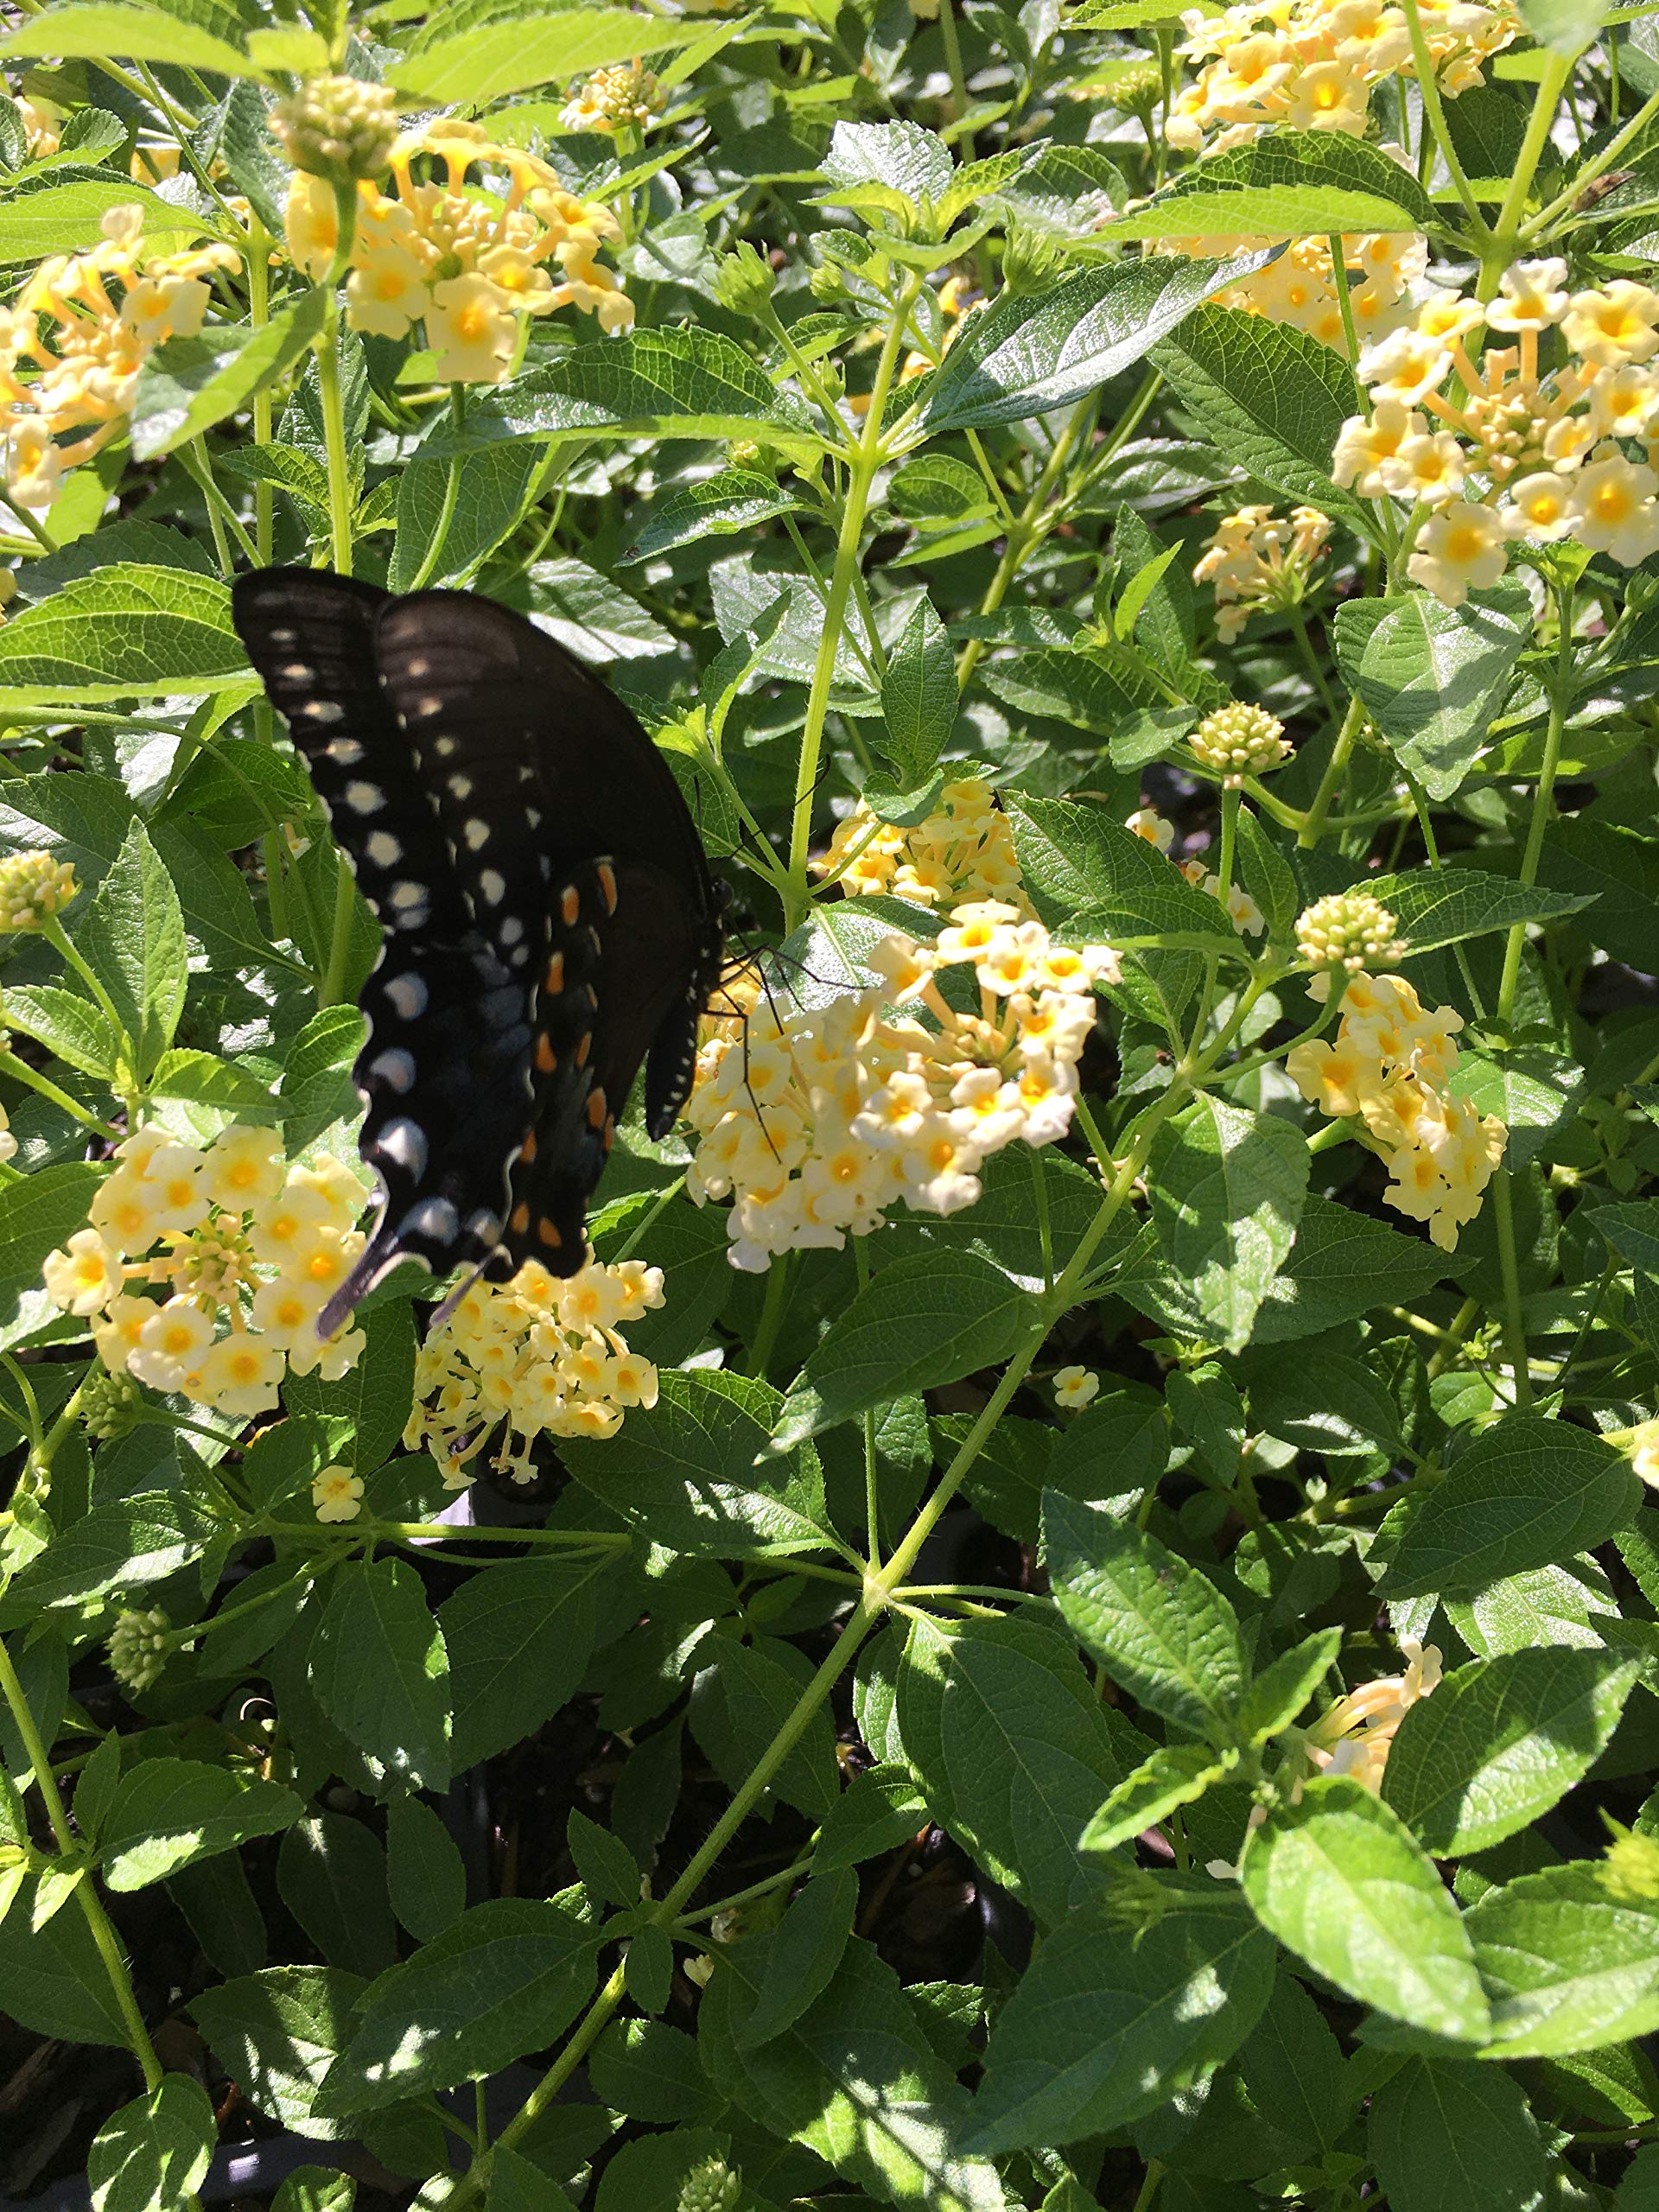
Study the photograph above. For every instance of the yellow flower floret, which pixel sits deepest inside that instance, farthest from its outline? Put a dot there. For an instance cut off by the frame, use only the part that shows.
(529, 1357)
(962, 850)
(336, 1494)
(202, 1227)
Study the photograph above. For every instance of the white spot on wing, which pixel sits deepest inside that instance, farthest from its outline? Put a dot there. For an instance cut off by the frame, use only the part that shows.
(396, 1069)
(323, 710)
(364, 797)
(477, 833)
(460, 787)
(404, 1143)
(435, 1219)
(409, 996)
(384, 849)
(493, 885)
(344, 751)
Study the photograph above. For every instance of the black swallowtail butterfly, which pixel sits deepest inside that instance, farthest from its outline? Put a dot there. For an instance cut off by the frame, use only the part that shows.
(551, 923)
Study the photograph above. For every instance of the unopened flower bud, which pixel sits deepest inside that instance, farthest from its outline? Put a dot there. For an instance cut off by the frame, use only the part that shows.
(1031, 262)
(1349, 930)
(33, 886)
(139, 1648)
(1240, 740)
(110, 1406)
(1136, 91)
(1630, 1870)
(623, 94)
(824, 283)
(744, 280)
(337, 127)
(710, 2187)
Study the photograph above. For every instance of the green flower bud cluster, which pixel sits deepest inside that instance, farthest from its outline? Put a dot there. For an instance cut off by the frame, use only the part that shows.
(33, 886)
(139, 1648)
(1240, 740)
(110, 1406)
(710, 2187)
(337, 127)
(1136, 91)
(744, 281)
(1349, 930)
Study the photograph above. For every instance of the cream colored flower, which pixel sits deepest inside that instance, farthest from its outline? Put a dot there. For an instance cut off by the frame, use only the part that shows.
(1460, 548)
(336, 1494)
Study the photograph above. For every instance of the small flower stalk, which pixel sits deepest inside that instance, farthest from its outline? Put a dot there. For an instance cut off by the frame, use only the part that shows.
(535, 1356)
(815, 1121)
(202, 1272)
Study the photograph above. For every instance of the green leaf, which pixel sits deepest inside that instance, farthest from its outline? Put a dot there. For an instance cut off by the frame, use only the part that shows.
(911, 163)
(918, 698)
(1437, 906)
(519, 1636)
(1268, 877)
(879, 1810)
(1088, 872)
(425, 1877)
(190, 383)
(1286, 185)
(1565, 27)
(1451, 2136)
(38, 1214)
(206, 1080)
(367, 1408)
(1532, 1090)
(646, 2069)
(1174, 1775)
(733, 501)
(491, 488)
(1431, 678)
(133, 939)
(128, 632)
(66, 219)
(152, 2155)
(380, 1673)
(77, 1032)
(1111, 2020)
(1500, 1742)
(893, 2127)
(1340, 1882)
(1532, 1492)
(922, 1322)
(807, 1945)
(680, 383)
(1281, 1690)
(481, 64)
(1028, 356)
(1292, 2067)
(121, 30)
(609, 1869)
(1010, 1750)
(1271, 399)
(686, 1472)
(277, 2033)
(1568, 1965)
(331, 1874)
(53, 1978)
(122, 1545)
(1160, 1628)
(1227, 1188)
(508, 1977)
(167, 1813)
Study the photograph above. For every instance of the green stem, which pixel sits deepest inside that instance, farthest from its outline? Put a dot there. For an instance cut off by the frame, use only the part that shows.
(958, 82)
(1313, 827)
(773, 1306)
(265, 495)
(1515, 1326)
(1299, 624)
(1585, 172)
(13, 1065)
(451, 491)
(1543, 804)
(1505, 236)
(331, 991)
(221, 515)
(866, 461)
(1434, 120)
(98, 1921)
(1026, 531)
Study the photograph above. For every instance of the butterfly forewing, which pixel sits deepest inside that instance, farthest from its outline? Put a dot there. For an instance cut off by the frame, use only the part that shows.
(445, 1068)
(552, 924)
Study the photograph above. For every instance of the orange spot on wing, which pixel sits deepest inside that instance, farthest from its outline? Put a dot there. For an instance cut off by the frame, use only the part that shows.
(555, 974)
(596, 1107)
(608, 886)
(520, 1221)
(571, 904)
(546, 1059)
(547, 1232)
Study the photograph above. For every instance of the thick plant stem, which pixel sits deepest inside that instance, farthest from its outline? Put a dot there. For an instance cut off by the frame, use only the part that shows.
(1313, 828)
(1504, 238)
(867, 460)
(331, 990)
(99, 1924)
(1543, 806)
(333, 431)
(1434, 120)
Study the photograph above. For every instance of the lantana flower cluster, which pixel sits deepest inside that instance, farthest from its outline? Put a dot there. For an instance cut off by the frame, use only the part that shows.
(1389, 1064)
(1517, 449)
(463, 258)
(622, 98)
(1311, 64)
(72, 346)
(1259, 562)
(535, 1356)
(961, 851)
(245, 1250)
(1382, 270)
(1355, 1736)
(815, 1121)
